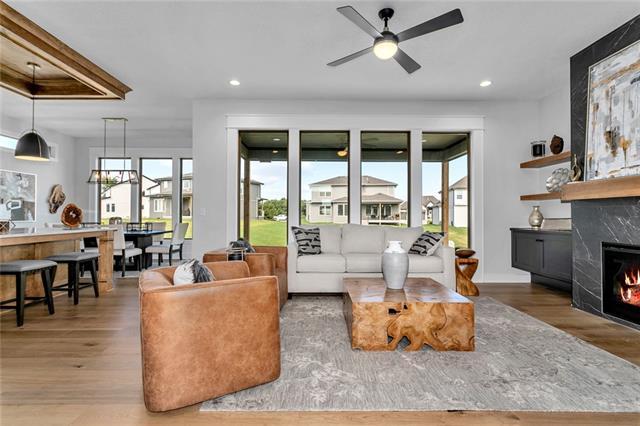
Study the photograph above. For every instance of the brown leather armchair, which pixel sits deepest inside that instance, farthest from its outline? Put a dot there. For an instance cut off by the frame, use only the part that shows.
(266, 260)
(204, 340)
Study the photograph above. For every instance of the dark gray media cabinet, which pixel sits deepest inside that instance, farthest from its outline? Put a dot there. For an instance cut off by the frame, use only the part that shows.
(546, 254)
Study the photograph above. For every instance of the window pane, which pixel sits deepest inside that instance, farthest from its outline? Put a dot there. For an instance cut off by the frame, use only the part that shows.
(446, 150)
(263, 187)
(324, 183)
(115, 196)
(385, 178)
(186, 208)
(8, 142)
(157, 191)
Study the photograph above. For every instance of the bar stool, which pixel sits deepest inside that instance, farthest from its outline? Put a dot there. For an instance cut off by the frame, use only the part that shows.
(73, 261)
(21, 269)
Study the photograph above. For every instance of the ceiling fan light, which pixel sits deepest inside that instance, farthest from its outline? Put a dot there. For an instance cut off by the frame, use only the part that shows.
(385, 48)
(342, 153)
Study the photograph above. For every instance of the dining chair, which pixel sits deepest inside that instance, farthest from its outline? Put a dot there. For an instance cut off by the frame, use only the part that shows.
(175, 246)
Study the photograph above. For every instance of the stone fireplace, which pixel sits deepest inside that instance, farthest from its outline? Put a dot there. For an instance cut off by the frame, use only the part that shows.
(621, 281)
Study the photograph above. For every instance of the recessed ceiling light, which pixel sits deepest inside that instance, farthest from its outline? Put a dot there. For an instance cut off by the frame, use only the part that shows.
(275, 151)
(485, 83)
(399, 152)
(234, 82)
(276, 139)
(424, 140)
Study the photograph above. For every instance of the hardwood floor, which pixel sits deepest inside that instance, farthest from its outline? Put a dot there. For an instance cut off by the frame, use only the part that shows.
(81, 366)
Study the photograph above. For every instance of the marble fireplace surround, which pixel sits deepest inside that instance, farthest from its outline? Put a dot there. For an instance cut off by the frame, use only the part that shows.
(615, 220)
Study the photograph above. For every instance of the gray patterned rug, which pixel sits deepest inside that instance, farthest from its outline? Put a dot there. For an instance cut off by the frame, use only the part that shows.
(520, 364)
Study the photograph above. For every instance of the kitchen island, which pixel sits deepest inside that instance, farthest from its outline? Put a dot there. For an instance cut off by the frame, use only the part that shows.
(38, 243)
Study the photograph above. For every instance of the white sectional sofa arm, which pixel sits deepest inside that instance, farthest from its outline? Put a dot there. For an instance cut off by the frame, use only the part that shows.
(448, 255)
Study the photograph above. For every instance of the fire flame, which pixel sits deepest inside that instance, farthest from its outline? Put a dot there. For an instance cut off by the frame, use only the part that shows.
(630, 290)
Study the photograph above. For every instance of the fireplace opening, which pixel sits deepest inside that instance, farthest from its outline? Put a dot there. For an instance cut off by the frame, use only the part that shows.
(621, 281)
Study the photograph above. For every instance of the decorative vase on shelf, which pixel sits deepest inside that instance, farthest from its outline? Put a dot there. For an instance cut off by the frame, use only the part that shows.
(536, 218)
(395, 265)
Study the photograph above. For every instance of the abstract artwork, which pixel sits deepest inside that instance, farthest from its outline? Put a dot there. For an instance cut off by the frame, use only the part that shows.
(613, 116)
(17, 196)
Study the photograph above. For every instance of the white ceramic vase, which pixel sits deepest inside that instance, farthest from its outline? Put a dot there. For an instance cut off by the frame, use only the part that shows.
(395, 265)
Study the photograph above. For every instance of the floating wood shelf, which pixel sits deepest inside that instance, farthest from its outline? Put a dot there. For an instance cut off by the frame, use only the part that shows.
(549, 160)
(603, 188)
(541, 197)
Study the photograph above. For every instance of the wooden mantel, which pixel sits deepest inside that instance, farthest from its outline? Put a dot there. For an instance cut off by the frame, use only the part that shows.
(63, 74)
(621, 187)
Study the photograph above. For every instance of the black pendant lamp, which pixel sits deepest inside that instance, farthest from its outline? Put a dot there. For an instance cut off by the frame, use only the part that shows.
(111, 176)
(32, 146)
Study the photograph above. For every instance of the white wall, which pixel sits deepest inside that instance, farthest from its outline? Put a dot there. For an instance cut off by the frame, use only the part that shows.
(48, 173)
(555, 119)
(509, 127)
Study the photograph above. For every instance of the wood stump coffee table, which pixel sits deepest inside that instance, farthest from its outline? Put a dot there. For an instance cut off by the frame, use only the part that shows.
(425, 312)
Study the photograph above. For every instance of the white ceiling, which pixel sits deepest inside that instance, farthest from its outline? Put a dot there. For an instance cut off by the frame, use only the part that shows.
(173, 52)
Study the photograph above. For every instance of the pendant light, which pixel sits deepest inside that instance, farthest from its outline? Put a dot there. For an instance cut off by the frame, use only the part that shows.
(32, 146)
(124, 175)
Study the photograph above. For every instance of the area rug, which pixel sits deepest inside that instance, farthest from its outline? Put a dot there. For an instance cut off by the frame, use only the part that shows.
(520, 364)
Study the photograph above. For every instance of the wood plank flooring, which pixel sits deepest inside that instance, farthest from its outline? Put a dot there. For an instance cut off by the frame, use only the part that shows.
(82, 367)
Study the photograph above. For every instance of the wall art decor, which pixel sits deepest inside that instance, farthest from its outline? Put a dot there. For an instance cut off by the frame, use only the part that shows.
(613, 116)
(17, 196)
(56, 198)
(559, 178)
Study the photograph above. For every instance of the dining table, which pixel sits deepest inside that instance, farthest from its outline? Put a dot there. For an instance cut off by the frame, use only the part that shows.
(143, 238)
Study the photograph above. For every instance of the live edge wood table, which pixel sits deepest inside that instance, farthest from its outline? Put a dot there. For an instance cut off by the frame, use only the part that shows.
(425, 312)
(35, 243)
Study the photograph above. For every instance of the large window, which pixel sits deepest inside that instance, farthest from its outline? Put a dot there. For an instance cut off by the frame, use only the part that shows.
(114, 197)
(156, 191)
(324, 177)
(186, 197)
(445, 185)
(262, 187)
(385, 178)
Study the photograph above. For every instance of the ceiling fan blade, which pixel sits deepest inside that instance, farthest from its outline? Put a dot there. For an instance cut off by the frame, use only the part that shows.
(443, 21)
(351, 14)
(406, 62)
(350, 57)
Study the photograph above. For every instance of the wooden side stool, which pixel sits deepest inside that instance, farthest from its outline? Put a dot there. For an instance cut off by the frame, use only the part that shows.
(466, 267)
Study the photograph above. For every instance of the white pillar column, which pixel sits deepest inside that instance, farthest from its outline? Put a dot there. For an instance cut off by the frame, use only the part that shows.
(293, 191)
(476, 190)
(355, 176)
(176, 185)
(232, 184)
(415, 178)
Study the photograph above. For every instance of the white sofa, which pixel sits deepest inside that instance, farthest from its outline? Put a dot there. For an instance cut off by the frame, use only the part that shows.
(356, 251)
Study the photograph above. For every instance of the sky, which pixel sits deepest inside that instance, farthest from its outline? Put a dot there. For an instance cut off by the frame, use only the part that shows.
(274, 175)
(153, 168)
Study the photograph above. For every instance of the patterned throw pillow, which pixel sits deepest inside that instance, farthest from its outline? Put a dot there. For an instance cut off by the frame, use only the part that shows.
(427, 243)
(308, 240)
(192, 272)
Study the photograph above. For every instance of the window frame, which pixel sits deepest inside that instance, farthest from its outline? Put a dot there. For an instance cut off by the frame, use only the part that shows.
(182, 159)
(99, 186)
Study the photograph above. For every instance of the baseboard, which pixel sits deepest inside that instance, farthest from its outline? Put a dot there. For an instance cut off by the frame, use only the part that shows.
(506, 278)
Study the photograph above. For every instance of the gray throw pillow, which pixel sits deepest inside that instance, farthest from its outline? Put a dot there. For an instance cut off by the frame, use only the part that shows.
(427, 243)
(192, 272)
(308, 240)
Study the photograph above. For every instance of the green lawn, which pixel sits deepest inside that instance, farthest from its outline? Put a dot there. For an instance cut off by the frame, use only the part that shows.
(272, 233)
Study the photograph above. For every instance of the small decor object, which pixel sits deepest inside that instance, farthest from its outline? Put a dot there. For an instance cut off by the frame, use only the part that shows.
(538, 149)
(559, 178)
(427, 243)
(536, 217)
(395, 265)
(71, 216)
(557, 224)
(56, 198)
(17, 196)
(576, 170)
(307, 239)
(613, 146)
(465, 253)
(556, 145)
(466, 268)
(6, 226)
(192, 272)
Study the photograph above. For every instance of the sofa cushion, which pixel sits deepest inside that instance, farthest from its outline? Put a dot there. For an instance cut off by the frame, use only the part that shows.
(427, 243)
(362, 239)
(330, 238)
(406, 235)
(192, 272)
(363, 262)
(307, 239)
(324, 262)
(425, 264)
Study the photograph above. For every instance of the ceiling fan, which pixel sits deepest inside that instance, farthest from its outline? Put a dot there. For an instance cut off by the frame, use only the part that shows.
(385, 44)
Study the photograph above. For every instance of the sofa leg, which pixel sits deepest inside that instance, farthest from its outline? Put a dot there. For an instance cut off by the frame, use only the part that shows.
(289, 296)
